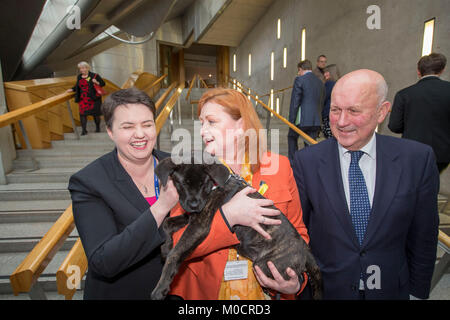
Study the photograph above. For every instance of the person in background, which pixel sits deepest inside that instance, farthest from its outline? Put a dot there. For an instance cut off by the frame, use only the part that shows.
(421, 112)
(118, 204)
(306, 105)
(369, 201)
(329, 84)
(226, 114)
(89, 102)
(319, 70)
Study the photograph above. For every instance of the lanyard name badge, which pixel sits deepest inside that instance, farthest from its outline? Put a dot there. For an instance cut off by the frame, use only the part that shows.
(236, 270)
(156, 182)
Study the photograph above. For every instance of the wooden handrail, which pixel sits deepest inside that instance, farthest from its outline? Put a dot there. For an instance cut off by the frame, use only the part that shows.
(284, 120)
(19, 114)
(242, 86)
(277, 91)
(191, 86)
(444, 239)
(164, 95)
(162, 117)
(202, 81)
(27, 273)
(156, 82)
(75, 258)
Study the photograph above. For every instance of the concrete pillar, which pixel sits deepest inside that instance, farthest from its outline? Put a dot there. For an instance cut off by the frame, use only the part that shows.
(7, 148)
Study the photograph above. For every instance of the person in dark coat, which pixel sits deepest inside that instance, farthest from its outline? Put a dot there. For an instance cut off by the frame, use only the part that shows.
(421, 112)
(329, 84)
(306, 105)
(89, 101)
(118, 204)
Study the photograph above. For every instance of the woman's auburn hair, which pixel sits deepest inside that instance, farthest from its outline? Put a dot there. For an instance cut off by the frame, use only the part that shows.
(237, 105)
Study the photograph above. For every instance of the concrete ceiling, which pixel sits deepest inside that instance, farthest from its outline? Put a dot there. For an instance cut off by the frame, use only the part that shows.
(239, 17)
(16, 27)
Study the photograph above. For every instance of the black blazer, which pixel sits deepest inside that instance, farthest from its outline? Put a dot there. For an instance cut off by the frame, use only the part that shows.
(421, 112)
(401, 238)
(118, 232)
(92, 93)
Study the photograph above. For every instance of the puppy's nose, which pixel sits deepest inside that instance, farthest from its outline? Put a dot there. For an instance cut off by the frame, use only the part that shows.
(194, 202)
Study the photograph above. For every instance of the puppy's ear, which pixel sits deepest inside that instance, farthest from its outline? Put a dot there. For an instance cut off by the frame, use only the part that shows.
(218, 173)
(164, 169)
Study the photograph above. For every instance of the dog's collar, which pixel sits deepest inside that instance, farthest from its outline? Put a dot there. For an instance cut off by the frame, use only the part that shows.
(236, 177)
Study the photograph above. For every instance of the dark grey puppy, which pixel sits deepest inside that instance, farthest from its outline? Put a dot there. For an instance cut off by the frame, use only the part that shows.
(203, 189)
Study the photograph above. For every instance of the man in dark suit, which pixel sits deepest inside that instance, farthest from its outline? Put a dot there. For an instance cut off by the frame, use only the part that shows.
(369, 201)
(319, 70)
(306, 105)
(421, 112)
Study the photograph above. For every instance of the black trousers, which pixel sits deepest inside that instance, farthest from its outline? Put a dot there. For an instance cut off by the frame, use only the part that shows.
(83, 120)
(442, 166)
(313, 132)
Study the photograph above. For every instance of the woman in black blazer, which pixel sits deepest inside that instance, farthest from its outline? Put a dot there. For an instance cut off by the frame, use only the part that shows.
(118, 205)
(88, 101)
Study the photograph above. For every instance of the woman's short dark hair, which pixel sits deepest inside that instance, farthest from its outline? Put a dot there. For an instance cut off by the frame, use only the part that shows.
(433, 63)
(123, 97)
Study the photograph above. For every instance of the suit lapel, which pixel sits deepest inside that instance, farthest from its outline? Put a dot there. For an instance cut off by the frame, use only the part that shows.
(331, 178)
(388, 174)
(126, 186)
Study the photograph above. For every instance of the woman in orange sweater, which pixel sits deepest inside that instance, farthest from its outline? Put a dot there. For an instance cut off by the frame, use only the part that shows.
(225, 115)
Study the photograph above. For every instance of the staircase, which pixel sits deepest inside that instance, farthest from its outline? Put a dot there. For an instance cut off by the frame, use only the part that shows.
(33, 200)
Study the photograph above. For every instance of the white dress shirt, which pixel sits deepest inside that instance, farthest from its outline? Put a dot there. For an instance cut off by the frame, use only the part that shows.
(368, 165)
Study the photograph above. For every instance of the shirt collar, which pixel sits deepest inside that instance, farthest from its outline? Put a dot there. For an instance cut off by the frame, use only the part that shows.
(430, 75)
(370, 148)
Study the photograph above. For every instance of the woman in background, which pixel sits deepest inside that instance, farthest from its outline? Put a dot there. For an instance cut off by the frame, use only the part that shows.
(89, 102)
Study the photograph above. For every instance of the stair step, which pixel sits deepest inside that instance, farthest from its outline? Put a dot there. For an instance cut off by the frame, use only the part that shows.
(27, 244)
(34, 191)
(10, 260)
(46, 281)
(43, 175)
(28, 230)
(68, 151)
(51, 295)
(7, 207)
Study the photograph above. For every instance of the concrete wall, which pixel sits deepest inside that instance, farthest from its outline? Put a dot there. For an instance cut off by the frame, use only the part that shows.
(7, 148)
(117, 63)
(338, 30)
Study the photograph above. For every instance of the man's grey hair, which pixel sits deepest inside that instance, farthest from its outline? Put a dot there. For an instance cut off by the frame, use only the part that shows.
(382, 90)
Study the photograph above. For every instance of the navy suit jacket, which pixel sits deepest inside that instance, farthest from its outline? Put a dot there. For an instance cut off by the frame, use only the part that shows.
(401, 237)
(307, 93)
(421, 112)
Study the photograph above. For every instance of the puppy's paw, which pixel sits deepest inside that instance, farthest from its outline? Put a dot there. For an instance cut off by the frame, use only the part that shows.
(157, 295)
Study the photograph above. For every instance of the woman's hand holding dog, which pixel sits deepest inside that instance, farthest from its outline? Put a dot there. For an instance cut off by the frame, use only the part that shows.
(168, 198)
(278, 283)
(245, 211)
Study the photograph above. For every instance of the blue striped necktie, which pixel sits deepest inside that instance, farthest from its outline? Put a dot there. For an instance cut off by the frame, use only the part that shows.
(359, 197)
